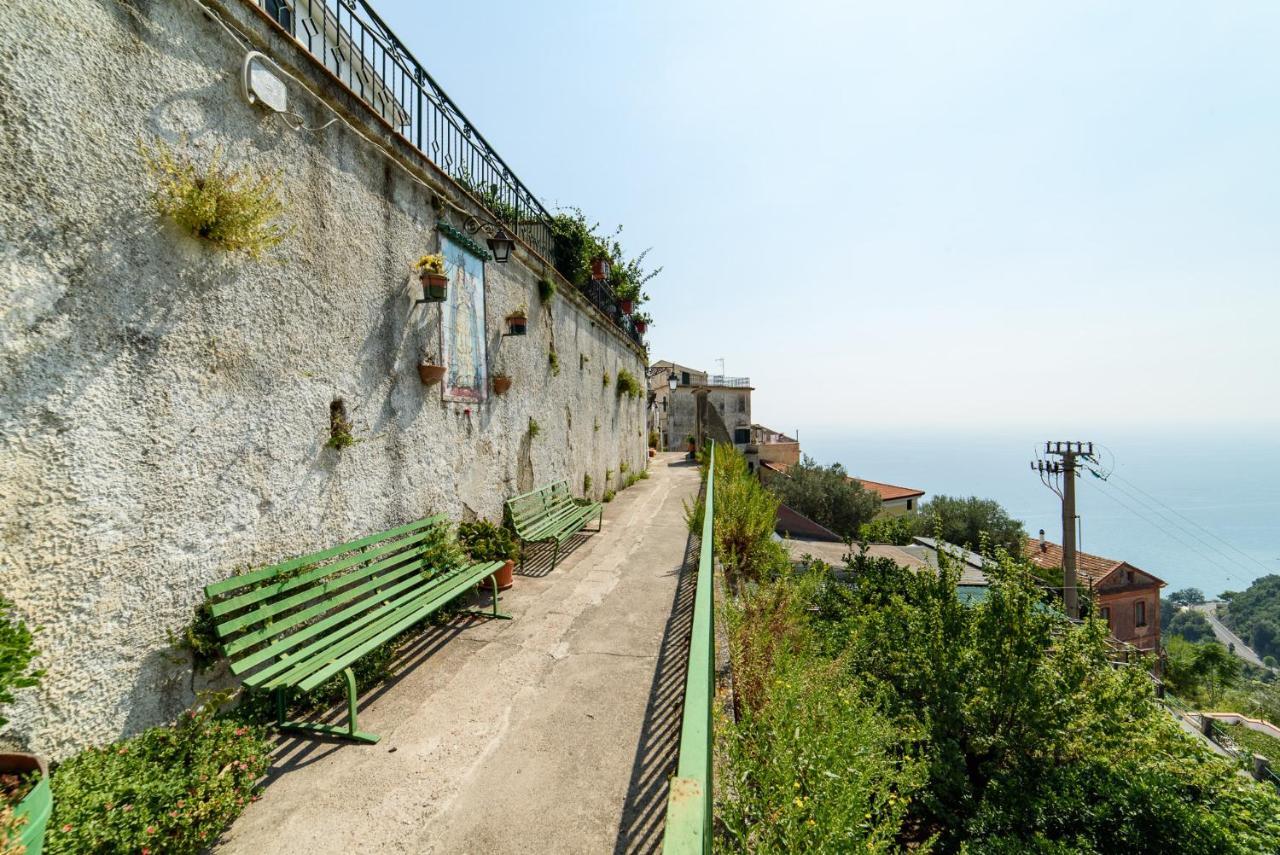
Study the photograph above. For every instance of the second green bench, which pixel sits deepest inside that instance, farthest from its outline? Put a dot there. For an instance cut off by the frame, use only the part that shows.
(551, 514)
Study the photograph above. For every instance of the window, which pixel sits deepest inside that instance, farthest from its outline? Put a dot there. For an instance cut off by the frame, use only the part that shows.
(911, 504)
(1140, 613)
(742, 436)
(684, 378)
(742, 403)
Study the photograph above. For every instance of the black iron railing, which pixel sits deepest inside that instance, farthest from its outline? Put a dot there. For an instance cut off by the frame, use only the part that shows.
(350, 40)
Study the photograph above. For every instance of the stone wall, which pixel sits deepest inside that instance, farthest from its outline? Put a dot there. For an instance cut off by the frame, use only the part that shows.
(165, 406)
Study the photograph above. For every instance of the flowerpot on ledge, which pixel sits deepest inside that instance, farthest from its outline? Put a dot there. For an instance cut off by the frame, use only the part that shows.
(626, 306)
(435, 287)
(430, 373)
(505, 576)
(517, 324)
(501, 383)
(36, 805)
(641, 326)
(599, 269)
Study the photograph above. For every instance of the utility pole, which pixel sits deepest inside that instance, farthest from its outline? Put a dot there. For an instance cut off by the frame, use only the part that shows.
(1063, 472)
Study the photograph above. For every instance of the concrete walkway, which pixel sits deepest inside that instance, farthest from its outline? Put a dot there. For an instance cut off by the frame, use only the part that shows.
(553, 732)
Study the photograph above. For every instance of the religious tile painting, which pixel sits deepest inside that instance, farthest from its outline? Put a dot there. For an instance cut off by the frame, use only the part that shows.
(465, 357)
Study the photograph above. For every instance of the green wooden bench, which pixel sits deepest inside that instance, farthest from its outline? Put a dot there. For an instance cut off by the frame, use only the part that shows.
(299, 622)
(550, 514)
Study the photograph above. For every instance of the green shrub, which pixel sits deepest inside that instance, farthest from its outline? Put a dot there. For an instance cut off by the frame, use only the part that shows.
(17, 651)
(534, 428)
(233, 209)
(440, 550)
(654, 438)
(485, 541)
(168, 790)
(546, 289)
(608, 496)
(553, 359)
(897, 530)
(586, 483)
(200, 637)
(746, 513)
(628, 384)
(605, 378)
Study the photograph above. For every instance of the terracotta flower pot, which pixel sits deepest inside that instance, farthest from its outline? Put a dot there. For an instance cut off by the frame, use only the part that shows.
(37, 805)
(599, 269)
(435, 287)
(626, 306)
(517, 324)
(505, 576)
(501, 385)
(653, 452)
(641, 326)
(430, 373)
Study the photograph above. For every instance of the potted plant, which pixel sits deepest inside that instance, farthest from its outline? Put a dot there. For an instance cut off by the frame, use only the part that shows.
(429, 372)
(435, 284)
(24, 778)
(485, 541)
(599, 268)
(641, 321)
(692, 443)
(501, 383)
(518, 321)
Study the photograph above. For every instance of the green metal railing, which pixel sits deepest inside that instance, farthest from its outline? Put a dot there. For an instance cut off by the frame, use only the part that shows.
(689, 802)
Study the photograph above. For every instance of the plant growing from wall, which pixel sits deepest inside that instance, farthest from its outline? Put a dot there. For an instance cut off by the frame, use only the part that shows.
(608, 496)
(583, 359)
(340, 435)
(596, 427)
(628, 384)
(534, 429)
(586, 483)
(546, 289)
(17, 651)
(235, 209)
(606, 379)
(553, 359)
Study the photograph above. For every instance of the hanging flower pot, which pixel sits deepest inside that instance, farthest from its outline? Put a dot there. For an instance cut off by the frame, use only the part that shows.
(599, 268)
(430, 373)
(626, 305)
(518, 322)
(501, 383)
(640, 321)
(435, 283)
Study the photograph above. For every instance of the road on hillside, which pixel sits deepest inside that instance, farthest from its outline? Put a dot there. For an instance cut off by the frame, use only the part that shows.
(1226, 636)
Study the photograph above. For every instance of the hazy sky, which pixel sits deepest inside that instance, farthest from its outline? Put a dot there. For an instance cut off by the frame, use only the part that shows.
(914, 213)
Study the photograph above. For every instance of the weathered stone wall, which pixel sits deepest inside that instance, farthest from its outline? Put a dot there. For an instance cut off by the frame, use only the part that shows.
(165, 406)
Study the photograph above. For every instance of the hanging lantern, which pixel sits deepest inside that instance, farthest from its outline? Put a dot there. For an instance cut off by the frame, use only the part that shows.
(501, 245)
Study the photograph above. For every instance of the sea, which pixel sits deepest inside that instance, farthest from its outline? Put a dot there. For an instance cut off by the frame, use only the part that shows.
(1198, 510)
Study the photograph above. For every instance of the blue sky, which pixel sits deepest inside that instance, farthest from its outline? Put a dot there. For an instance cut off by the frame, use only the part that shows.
(1024, 214)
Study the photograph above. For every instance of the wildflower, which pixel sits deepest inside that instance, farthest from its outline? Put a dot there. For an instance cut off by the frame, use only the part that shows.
(151, 829)
(66, 828)
(127, 808)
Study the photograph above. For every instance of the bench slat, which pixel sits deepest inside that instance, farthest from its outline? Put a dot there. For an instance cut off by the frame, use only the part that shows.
(352, 649)
(236, 582)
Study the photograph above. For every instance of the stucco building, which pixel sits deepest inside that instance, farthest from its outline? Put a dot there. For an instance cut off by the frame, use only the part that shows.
(1126, 597)
(701, 405)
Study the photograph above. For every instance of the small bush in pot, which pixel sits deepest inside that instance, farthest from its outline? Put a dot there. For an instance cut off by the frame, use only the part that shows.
(485, 541)
(431, 272)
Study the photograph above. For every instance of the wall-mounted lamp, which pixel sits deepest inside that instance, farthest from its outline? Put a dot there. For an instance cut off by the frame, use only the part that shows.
(501, 245)
(672, 382)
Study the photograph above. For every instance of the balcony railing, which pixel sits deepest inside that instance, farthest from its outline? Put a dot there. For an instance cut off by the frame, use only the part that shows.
(689, 803)
(350, 40)
(721, 380)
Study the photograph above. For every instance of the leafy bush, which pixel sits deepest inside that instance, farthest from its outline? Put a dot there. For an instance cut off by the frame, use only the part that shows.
(966, 522)
(485, 541)
(1254, 613)
(441, 550)
(826, 495)
(200, 637)
(745, 516)
(168, 790)
(534, 428)
(233, 209)
(628, 384)
(553, 359)
(896, 530)
(608, 496)
(654, 439)
(11, 831)
(17, 651)
(1191, 625)
(546, 289)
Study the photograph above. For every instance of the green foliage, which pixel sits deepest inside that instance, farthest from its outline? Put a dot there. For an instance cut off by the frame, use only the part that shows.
(546, 289)
(605, 379)
(168, 790)
(586, 483)
(553, 359)
(575, 242)
(534, 429)
(608, 496)
(11, 827)
(340, 435)
(1199, 671)
(992, 727)
(1253, 741)
(1191, 625)
(826, 495)
(745, 514)
(1254, 613)
(485, 541)
(628, 384)
(964, 522)
(491, 197)
(1187, 597)
(897, 530)
(17, 651)
(199, 638)
(654, 438)
(441, 550)
(233, 209)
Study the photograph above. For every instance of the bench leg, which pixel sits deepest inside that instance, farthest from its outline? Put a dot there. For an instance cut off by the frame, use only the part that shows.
(351, 731)
(555, 555)
(495, 613)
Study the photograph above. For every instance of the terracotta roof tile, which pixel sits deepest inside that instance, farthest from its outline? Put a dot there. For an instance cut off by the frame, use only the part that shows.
(1089, 568)
(889, 492)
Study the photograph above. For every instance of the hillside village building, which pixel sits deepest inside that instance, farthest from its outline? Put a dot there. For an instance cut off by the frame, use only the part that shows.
(1126, 597)
(701, 404)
